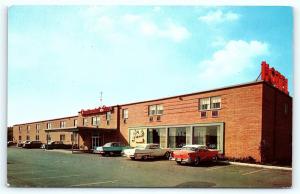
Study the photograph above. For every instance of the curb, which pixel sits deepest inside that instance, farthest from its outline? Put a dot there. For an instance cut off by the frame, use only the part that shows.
(257, 165)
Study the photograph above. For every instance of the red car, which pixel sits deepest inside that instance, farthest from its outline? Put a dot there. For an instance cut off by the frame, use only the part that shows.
(194, 154)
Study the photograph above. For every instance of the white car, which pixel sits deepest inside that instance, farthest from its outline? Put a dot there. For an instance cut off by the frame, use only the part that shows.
(146, 151)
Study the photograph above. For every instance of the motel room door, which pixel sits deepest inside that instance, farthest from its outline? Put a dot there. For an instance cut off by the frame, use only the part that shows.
(96, 140)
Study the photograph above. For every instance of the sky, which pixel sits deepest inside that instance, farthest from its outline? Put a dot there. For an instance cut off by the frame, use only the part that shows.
(60, 58)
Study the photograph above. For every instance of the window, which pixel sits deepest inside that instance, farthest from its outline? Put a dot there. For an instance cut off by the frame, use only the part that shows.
(28, 128)
(215, 102)
(74, 137)
(203, 114)
(108, 116)
(95, 120)
(215, 113)
(85, 122)
(49, 125)
(20, 137)
(37, 137)
(62, 137)
(62, 124)
(153, 136)
(75, 122)
(156, 109)
(27, 137)
(48, 138)
(37, 126)
(177, 137)
(204, 104)
(208, 135)
(125, 113)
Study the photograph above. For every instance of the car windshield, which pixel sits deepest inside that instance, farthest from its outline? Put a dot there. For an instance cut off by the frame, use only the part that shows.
(107, 145)
(189, 148)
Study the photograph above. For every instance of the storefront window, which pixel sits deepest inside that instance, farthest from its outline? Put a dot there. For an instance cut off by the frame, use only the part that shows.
(153, 136)
(177, 137)
(207, 135)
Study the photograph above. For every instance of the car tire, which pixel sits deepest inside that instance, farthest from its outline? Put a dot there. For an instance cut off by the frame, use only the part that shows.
(111, 153)
(132, 158)
(167, 155)
(215, 159)
(145, 157)
(197, 161)
(178, 162)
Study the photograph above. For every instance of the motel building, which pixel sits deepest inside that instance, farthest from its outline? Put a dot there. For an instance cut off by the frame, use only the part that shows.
(246, 121)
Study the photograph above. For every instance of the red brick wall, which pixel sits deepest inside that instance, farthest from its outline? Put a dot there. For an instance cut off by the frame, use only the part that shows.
(277, 126)
(240, 111)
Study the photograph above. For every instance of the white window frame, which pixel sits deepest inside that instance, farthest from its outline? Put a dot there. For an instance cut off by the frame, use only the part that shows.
(125, 113)
(219, 100)
(62, 124)
(207, 99)
(108, 116)
(153, 109)
(75, 122)
(49, 125)
(96, 120)
(85, 121)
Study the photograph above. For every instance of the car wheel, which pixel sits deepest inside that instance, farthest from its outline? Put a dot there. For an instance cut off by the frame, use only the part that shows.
(132, 158)
(167, 155)
(145, 157)
(178, 162)
(106, 154)
(215, 159)
(111, 153)
(197, 161)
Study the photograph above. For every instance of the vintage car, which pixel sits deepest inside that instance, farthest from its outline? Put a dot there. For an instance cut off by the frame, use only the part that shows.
(194, 154)
(32, 144)
(110, 149)
(56, 145)
(21, 143)
(146, 151)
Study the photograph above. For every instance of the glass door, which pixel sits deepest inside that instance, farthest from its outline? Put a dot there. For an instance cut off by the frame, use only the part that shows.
(96, 141)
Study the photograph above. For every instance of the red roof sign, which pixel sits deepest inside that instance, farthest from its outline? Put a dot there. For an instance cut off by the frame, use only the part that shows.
(273, 77)
(102, 109)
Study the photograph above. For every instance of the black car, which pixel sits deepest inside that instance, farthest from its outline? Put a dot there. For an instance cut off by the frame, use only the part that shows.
(57, 145)
(32, 144)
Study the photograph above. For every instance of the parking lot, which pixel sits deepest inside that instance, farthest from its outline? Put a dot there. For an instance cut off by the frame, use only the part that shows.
(39, 168)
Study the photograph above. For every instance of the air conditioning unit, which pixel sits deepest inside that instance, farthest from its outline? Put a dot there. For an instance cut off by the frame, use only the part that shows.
(150, 119)
(215, 113)
(158, 118)
(203, 114)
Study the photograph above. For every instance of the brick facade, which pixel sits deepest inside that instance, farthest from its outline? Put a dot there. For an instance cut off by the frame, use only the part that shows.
(256, 121)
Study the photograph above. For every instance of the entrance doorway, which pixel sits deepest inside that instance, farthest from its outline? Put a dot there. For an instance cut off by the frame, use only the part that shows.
(96, 141)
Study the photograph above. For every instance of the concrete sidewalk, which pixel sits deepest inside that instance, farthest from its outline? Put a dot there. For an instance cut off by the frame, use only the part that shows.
(257, 165)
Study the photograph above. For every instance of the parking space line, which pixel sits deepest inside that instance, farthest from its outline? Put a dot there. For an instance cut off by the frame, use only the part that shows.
(53, 177)
(252, 172)
(29, 172)
(86, 184)
(215, 168)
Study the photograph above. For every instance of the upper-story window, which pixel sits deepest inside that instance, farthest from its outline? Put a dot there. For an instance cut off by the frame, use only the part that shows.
(157, 109)
(62, 124)
(49, 125)
(28, 128)
(108, 116)
(75, 122)
(95, 120)
(125, 113)
(215, 102)
(85, 122)
(204, 103)
(210, 103)
(37, 128)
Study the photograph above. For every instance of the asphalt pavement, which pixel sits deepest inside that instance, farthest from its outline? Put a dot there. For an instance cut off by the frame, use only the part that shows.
(39, 168)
